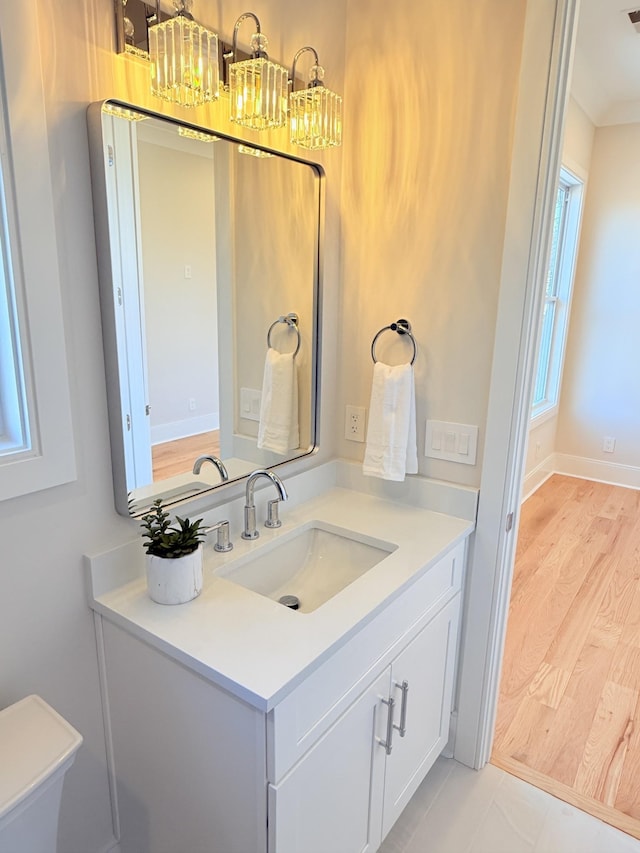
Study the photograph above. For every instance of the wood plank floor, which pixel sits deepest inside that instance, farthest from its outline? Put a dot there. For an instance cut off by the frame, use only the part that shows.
(177, 457)
(568, 715)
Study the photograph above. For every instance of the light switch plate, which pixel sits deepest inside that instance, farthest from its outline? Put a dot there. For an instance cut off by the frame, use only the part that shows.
(250, 404)
(453, 442)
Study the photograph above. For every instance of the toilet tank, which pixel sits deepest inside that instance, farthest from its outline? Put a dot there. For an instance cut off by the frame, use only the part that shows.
(37, 747)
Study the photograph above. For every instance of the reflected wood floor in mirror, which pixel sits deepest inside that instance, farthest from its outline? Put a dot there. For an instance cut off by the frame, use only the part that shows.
(568, 715)
(177, 457)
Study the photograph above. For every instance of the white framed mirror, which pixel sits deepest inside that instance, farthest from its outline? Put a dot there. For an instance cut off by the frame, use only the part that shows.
(209, 262)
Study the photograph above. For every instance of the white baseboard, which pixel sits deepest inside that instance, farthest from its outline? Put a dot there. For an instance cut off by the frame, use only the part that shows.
(182, 429)
(536, 477)
(611, 473)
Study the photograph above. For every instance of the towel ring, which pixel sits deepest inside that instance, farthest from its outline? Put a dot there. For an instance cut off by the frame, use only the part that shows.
(402, 327)
(292, 322)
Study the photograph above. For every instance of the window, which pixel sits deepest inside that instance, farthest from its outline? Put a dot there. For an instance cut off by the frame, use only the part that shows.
(36, 437)
(14, 420)
(560, 273)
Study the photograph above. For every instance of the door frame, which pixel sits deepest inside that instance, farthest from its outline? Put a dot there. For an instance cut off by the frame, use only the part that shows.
(550, 26)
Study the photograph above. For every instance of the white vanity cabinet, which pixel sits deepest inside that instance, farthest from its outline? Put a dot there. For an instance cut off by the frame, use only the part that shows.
(197, 768)
(346, 793)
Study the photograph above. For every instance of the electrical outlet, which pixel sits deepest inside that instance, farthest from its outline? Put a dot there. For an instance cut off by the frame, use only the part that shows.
(608, 444)
(354, 423)
(192, 404)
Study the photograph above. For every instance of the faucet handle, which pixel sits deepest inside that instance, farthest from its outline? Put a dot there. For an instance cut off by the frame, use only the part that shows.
(273, 519)
(222, 538)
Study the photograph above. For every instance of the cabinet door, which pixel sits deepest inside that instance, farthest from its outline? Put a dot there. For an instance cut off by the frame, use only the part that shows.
(427, 666)
(332, 799)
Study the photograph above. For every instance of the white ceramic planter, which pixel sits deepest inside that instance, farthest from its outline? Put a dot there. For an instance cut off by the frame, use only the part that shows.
(174, 581)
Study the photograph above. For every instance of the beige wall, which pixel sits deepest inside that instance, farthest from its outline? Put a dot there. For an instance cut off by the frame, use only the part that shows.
(424, 201)
(600, 391)
(275, 243)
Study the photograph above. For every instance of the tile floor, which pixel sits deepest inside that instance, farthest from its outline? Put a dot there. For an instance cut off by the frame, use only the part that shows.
(458, 810)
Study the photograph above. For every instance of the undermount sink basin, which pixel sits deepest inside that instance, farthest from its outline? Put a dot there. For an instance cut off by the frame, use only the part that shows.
(313, 563)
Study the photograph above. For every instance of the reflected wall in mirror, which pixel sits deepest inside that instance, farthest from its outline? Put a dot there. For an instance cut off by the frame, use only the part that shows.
(207, 247)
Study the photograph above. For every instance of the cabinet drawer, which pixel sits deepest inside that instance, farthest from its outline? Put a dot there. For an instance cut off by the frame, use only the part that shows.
(297, 722)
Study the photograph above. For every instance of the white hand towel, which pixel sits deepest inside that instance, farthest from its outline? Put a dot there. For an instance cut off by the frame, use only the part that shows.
(391, 450)
(278, 428)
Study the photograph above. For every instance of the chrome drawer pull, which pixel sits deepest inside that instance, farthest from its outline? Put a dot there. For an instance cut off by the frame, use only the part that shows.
(388, 744)
(402, 728)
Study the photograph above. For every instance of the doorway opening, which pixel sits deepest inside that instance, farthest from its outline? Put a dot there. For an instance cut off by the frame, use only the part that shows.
(568, 714)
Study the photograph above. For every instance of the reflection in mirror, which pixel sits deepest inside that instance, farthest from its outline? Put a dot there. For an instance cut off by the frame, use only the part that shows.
(209, 259)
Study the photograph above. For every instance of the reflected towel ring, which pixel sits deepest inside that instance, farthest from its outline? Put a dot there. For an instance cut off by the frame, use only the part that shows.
(402, 327)
(292, 322)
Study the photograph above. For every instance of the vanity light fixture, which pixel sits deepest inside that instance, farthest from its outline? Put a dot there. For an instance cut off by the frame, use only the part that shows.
(257, 86)
(199, 135)
(184, 58)
(254, 152)
(315, 113)
(122, 112)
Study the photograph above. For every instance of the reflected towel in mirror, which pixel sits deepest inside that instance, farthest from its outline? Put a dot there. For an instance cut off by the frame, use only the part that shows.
(391, 450)
(278, 428)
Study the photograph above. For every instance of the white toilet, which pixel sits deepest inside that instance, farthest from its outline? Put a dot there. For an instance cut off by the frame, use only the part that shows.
(37, 747)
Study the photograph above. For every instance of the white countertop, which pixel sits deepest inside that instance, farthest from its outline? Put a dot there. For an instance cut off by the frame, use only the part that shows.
(252, 646)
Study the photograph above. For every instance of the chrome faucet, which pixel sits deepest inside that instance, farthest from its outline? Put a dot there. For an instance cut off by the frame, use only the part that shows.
(197, 465)
(250, 531)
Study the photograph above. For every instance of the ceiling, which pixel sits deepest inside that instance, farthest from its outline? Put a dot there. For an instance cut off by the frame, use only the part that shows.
(606, 73)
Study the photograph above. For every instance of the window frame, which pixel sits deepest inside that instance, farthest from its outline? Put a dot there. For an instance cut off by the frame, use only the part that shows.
(46, 455)
(559, 297)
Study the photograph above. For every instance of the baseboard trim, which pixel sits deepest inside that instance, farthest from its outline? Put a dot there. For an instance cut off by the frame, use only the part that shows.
(183, 429)
(535, 478)
(563, 792)
(611, 473)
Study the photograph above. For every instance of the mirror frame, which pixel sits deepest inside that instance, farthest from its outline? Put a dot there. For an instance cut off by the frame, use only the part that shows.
(123, 503)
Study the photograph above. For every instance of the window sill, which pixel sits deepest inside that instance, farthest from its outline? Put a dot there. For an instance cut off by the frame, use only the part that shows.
(543, 414)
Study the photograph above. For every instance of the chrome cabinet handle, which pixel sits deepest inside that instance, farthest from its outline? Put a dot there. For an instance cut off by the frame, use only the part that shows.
(388, 743)
(402, 728)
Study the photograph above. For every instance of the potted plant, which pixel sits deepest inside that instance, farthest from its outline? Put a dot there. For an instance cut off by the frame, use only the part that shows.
(174, 556)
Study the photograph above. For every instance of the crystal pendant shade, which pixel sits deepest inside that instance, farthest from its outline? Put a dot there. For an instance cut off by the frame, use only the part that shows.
(315, 118)
(258, 93)
(184, 62)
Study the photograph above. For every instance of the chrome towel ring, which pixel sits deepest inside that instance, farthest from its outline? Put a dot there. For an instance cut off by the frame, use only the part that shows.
(402, 327)
(291, 320)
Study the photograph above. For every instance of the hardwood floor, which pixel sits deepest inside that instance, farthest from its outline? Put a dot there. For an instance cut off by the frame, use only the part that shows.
(177, 457)
(568, 715)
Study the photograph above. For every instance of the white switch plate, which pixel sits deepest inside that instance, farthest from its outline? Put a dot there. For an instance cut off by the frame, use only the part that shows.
(453, 442)
(250, 404)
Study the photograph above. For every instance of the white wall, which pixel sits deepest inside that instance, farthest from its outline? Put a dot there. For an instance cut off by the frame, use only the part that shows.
(181, 315)
(576, 156)
(600, 392)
